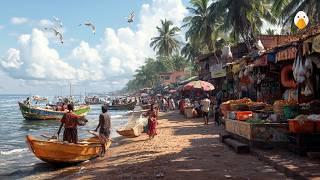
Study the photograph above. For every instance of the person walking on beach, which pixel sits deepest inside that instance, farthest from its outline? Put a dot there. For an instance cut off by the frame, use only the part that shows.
(205, 107)
(152, 115)
(70, 122)
(104, 125)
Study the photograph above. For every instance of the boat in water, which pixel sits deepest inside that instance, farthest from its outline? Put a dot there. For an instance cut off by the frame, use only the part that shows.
(57, 152)
(127, 106)
(135, 126)
(30, 112)
(95, 100)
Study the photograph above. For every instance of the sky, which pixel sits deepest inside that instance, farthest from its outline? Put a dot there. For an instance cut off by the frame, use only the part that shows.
(33, 61)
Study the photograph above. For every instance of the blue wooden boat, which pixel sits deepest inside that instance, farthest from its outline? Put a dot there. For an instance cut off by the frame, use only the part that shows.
(30, 112)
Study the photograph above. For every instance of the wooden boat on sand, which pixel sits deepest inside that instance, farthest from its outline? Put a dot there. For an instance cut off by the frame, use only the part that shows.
(38, 113)
(58, 152)
(135, 125)
(129, 106)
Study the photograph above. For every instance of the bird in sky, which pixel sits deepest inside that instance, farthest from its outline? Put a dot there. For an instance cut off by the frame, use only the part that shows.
(57, 21)
(91, 25)
(57, 33)
(130, 18)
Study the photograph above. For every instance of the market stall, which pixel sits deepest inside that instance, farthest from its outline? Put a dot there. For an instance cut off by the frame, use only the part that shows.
(280, 89)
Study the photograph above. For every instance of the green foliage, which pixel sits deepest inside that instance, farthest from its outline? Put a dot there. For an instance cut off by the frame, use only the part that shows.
(286, 10)
(166, 43)
(148, 74)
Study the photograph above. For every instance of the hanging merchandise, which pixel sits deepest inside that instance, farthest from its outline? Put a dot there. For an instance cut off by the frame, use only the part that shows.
(308, 90)
(298, 67)
(259, 45)
(286, 81)
(308, 67)
(316, 44)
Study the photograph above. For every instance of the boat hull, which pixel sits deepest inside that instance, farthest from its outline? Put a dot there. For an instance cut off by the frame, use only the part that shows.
(35, 113)
(57, 152)
(134, 127)
(130, 106)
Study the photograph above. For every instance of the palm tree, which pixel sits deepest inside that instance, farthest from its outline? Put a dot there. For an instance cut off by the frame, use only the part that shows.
(270, 31)
(166, 43)
(200, 24)
(179, 62)
(287, 9)
(243, 18)
(191, 51)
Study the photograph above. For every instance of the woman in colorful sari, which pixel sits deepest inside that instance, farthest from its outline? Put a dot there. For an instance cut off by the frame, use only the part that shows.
(70, 122)
(152, 121)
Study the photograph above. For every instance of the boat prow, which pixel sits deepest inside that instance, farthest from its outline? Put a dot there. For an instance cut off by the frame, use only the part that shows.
(57, 152)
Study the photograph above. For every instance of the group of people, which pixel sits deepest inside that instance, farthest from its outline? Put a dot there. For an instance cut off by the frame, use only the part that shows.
(205, 106)
(166, 103)
(71, 121)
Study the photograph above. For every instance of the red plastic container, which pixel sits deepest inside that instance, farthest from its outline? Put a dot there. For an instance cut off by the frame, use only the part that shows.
(243, 115)
(306, 127)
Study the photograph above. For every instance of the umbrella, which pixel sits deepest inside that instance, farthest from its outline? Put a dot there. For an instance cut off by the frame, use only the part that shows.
(203, 85)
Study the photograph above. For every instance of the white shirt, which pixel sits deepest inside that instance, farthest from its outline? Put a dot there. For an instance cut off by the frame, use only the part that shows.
(205, 105)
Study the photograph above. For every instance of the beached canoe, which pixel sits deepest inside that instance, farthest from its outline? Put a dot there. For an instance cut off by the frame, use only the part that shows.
(129, 106)
(135, 125)
(38, 113)
(57, 152)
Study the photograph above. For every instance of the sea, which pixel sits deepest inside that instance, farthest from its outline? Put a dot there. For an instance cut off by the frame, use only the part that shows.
(16, 160)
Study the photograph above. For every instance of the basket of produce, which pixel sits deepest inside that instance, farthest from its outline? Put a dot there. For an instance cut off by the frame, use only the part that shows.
(278, 106)
(239, 107)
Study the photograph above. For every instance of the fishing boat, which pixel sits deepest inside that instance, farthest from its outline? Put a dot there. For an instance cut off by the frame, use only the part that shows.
(135, 125)
(58, 152)
(94, 100)
(30, 112)
(128, 106)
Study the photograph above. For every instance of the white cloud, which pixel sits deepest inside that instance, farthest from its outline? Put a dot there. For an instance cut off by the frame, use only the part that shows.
(19, 20)
(2, 26)
(45, 23)
(112, 61)
(12, 59)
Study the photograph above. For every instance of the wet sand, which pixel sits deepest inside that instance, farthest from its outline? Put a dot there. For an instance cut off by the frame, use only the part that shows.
(183, 149)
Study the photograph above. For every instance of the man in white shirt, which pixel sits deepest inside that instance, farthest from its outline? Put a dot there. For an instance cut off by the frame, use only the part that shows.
(205, 107)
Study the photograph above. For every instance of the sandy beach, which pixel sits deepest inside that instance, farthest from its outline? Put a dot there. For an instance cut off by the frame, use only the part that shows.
(183, 149)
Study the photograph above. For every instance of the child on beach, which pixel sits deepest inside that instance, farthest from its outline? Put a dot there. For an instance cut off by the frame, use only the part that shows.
(152, 121)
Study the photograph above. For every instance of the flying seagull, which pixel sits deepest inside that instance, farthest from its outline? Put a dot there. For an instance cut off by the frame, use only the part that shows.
(90, 24)
(57, 20)
(56, 33)
(130, 18)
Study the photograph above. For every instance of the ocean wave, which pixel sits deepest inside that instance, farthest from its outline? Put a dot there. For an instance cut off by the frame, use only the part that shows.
(116, 116)
(13, 151)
